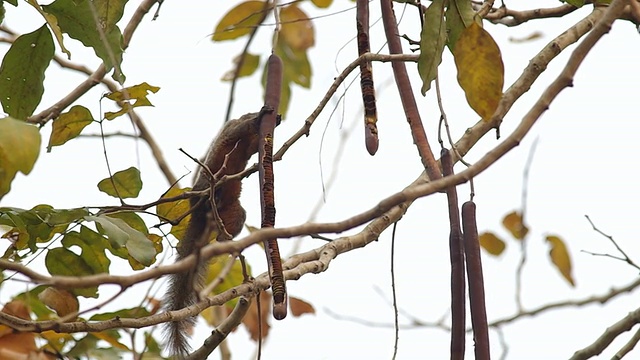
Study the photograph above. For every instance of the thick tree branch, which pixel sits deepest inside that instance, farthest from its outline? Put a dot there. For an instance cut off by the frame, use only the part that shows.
(625, 324)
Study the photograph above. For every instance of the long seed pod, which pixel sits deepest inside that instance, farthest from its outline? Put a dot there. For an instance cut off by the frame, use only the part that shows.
(366, 78)
(456, 254)
(265, 151)
(406, 92)
(476, 281)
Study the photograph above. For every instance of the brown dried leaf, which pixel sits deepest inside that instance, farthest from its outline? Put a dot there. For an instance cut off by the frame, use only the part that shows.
(18, 345)
(61, 301)
(251, 320)
(299, 307)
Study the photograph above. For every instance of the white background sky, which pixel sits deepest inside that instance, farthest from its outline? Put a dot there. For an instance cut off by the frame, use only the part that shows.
(585, 164)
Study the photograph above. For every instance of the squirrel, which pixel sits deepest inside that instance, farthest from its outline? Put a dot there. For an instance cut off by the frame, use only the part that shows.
(235, 144)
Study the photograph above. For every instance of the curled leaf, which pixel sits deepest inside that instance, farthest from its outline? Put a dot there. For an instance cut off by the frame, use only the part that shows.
(62, 301)
(432, 41)
(137, 92)
(559, 256)
(513, 222)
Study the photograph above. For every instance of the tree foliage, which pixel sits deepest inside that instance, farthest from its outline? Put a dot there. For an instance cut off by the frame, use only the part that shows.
(86, 248)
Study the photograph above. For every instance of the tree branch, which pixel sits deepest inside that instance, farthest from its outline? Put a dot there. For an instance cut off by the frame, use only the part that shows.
(96, 77)
(612, 332)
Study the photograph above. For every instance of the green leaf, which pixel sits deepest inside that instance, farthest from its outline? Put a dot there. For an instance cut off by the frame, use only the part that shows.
(127, 184)
(69, 125)
(65, 216)
(131, 313)
(459, 16)
(93, 237)
(120, 234)
(61, 261)
(19, 150)
(432, 41)
(297, 68)
(249, 66)
(132, 219)
(480, 70)
(22, 72)
(137, 92)
(12, 2)
(93, 253)
(239, 21)
(117, 237)
(36, 306)
(76, 19)
(576, 3)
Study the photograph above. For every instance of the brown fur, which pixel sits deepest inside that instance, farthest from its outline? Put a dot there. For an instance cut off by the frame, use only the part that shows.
(239, 140)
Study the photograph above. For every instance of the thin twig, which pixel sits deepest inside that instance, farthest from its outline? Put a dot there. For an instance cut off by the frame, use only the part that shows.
(624, 257)
(393, 292)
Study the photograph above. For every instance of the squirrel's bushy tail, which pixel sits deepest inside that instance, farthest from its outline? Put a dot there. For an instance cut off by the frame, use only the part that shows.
(183, 287)
(176, 332)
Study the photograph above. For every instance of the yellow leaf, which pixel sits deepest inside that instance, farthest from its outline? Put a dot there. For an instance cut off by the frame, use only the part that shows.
(560, 258)
(322, 3)
(297, 29)
(19, 150)
(173, 210)
(53, 25)
(239, 21)
(513, 222)
(235, 276)
(111, 337)
(137, 92)
(480, 69)
(491, 243)
(69, 125)
(61, 301)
